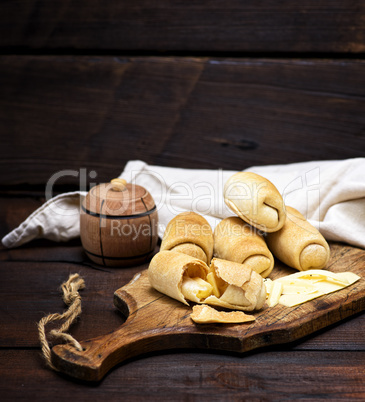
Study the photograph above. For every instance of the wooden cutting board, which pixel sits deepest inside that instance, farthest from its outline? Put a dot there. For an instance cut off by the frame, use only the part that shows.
(157, 322)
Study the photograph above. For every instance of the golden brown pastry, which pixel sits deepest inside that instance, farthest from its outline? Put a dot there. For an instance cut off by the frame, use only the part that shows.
(235, 240)
(255, 200)
(224, 283)
(191, 234)
(207, 315)
(167, 270)
(299, 244)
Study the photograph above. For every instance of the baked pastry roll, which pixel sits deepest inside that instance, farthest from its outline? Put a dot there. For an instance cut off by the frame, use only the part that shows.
(224, 283)
(255, 200)
(299, 244)
(168, 269)
(235, 240)
(191, 234)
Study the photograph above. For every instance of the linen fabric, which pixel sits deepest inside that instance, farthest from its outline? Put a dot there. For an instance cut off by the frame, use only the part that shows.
(330, 194)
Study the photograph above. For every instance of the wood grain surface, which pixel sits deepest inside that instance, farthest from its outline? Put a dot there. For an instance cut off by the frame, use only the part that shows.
(101, 112)
(210, 26)
(326, 364)
(268, 376)
(106, 213)
(87, 86)
(157, 322)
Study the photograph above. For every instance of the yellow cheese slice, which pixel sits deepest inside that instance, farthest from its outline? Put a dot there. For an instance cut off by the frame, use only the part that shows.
(315, 275)
(350, 277)
(208, 315)
(275, 294)
(298, 286)
(328, 287)
(308, 285)
(268, 284)
(295, 299)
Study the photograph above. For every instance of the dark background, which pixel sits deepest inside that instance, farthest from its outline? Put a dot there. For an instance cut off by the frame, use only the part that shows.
(213, 84)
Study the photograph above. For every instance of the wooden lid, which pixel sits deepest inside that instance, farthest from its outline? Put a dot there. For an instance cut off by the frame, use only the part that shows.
(118, 199)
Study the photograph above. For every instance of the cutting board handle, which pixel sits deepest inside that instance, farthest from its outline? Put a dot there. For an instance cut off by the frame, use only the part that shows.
(150, 326)
(101, 354)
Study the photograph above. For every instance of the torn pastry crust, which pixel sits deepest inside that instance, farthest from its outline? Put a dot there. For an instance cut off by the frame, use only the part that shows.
(235, 240)
(191, 234)
(255, 200)
(225, 283)
(299, 244)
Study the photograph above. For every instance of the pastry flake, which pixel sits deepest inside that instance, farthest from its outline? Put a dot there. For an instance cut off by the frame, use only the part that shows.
(207, 315)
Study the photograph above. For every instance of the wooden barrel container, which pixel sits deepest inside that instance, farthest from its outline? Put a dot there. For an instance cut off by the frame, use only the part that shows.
(118, 224)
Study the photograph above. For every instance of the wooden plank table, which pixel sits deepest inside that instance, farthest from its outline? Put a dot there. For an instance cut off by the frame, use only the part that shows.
(86, 86)
(199, 26)
(328, 364)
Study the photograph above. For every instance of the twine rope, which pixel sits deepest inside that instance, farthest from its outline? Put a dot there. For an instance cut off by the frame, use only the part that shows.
(71, 297)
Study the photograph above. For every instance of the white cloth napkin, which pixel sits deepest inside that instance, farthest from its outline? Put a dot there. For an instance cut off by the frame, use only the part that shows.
(330, 194)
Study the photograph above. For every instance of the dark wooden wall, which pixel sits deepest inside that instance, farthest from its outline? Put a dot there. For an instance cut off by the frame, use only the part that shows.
(230, 84)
